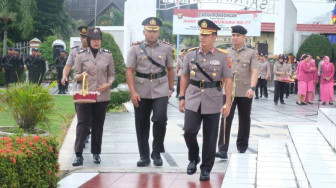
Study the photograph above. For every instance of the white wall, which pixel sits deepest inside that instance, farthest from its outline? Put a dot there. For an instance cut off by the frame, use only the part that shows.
(285, 27)
(299, 38)
(134, 13)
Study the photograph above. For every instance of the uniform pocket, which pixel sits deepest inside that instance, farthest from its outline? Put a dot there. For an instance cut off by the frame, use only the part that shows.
(139, 80)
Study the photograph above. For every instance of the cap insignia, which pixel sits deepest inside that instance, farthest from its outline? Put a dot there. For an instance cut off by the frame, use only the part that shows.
(152, 22)
(204, 24)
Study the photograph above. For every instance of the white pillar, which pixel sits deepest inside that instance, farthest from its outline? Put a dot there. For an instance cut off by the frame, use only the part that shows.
(134, 13)
(285, 27)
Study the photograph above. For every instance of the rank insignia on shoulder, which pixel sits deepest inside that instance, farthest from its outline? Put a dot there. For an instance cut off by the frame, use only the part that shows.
(74, 47)
(135, 43)
(166, 43)
(81, 51)
(106, 50)
(222, 50)
(192, 49)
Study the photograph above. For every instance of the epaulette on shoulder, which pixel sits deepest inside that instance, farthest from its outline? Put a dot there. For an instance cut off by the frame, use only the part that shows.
(135, 43)
(222, 50)
(249, 46)
(166, 43)
(74, 47)
(106, 50)
(81, 51)
(192, 49)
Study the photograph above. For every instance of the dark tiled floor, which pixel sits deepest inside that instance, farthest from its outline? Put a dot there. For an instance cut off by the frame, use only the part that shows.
(152, 180)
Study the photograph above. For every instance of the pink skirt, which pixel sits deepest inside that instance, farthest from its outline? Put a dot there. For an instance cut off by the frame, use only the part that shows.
(327, 92)
(302, 87)
(311, 86)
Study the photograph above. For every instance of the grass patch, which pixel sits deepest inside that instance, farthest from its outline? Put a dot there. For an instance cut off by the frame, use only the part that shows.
(58, 127)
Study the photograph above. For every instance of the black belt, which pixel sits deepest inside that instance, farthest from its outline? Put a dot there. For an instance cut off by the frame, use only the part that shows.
(203, 85)
(151, 76)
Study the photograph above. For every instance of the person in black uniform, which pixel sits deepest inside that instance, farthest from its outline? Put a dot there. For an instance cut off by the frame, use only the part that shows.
(7, 66)
(18, 66)
(36, 68)
(60, 64)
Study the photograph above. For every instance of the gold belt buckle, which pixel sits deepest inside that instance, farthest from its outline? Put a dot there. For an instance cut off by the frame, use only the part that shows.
(152, 76)
(202, 85)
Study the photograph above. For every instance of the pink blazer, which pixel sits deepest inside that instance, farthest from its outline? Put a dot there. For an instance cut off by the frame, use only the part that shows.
(303, 71)
(327, 70)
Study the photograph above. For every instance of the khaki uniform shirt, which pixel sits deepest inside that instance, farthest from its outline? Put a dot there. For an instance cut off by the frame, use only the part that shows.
(279, 67)
(72, 55)
(243, 61)
(180, 65)
(100, 71)
(137, 60)
(264, 69)
(215, 64)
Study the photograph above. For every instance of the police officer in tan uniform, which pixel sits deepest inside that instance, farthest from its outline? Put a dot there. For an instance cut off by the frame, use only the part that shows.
(206, 69)
(98, 65)
(152, 85)
(280, 69)
(179, 71)
(264, 73)
(245, 70)
(73, 53)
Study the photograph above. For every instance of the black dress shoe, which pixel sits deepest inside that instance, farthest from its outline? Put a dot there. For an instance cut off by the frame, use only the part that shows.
(143, 162)
(282, 102)
(78, 161)
(331, 103)
(241, 151)
(96, 158)
(205, 176)
(256, 97)
(302, 103)
(298, 103)
(156, 159)
(221, 154)
(324, 103)
(310, 103)
(192, 166)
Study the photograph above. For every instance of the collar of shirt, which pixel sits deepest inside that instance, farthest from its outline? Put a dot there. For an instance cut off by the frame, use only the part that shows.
(147, 44)
(240, 49)
(200, 50)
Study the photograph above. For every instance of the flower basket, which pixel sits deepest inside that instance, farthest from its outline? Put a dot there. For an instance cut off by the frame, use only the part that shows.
(85, 96)
(286, 79)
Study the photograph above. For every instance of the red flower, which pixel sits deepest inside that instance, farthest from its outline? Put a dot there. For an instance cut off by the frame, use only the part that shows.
(30, 144)
(44, 142)
(50, 149)
(36, 138)
(14, 160)
(49, 172)
(2, 151)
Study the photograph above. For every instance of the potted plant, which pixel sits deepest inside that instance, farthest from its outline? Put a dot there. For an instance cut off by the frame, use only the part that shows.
(30, 105)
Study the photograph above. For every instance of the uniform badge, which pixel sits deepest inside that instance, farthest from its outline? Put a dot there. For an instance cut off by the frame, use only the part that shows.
(152, 22)
(214, 62)
(192, 73)
(204, 24)
(204, 60)
(229, 62)
(214, 74)
(194, 67)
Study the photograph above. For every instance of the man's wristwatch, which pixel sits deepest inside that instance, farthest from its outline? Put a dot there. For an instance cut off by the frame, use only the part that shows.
(253, 88)
(181, 98)
(172, 89)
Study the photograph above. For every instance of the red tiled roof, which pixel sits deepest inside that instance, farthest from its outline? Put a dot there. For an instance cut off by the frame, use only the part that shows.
(267, 27)
(319, 28)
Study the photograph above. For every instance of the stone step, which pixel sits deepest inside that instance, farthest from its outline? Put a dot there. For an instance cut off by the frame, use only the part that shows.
(317, 158)
(327, 125)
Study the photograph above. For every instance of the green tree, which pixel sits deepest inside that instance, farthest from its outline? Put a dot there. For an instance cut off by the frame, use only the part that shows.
(119, 64)
(111, 17)
(52, 19)
(166, 32)
(46, 48)
(16, 14)
(191, 41)
(333, 55)
(315, 45)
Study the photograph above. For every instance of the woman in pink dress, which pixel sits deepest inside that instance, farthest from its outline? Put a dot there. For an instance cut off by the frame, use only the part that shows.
(327, 80)
(313, 80)
(303, 73)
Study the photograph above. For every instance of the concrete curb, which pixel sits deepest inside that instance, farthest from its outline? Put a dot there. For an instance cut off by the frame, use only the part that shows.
(67, 149)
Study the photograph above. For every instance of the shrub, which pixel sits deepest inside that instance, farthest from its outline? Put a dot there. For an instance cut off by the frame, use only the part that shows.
(119, 64)
(29, 104)
(333, 56)
(315, 45)
(117, 98)
(28, 162)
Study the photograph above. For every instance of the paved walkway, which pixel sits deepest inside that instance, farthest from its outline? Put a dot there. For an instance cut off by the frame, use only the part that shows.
(120, 152)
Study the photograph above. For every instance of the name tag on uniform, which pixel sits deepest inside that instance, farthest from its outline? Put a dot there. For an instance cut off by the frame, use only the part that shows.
(214, 62)
(85, 60)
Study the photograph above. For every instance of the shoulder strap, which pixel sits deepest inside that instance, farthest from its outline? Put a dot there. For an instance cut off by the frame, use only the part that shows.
(151, 59)
(199, 67)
